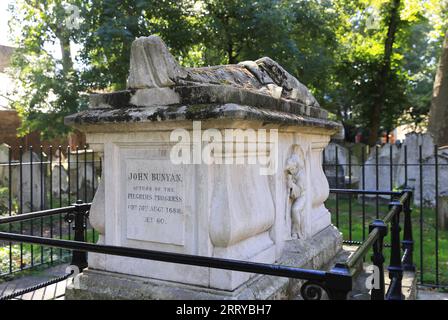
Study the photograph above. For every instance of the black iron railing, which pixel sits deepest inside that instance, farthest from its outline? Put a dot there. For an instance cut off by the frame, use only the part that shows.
(336, 283)
(401, 255)
(392, 167)
(65, 174)
(43, 178)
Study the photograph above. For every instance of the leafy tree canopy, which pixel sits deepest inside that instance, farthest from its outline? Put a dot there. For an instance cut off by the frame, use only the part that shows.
(359, 57)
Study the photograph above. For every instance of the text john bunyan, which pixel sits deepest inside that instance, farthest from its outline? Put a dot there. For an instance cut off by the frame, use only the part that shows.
(226, 146)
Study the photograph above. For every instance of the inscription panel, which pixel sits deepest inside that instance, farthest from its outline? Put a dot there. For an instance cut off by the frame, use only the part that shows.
(155, 201)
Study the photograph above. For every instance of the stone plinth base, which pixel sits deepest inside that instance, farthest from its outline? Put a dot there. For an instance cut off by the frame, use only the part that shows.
(315, 253)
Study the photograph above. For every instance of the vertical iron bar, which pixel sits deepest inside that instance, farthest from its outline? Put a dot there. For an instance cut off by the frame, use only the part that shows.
(50, 151)
(406, 166)
(77, 173)
(377, 183)
(421, 213)
(378, 258)
(21, 201)
(79, 258)
(363, 196)
(93, 189)
(85, 188)
(42, 200)
(10, 203)
(337, 185)
(69, 201)
(30, 149)
(363, 173)
(85, 174)
(350, 195)
(60, 195)
(408, 239)
(395, 268)
(391, 182)
(436, 167)
(69, 186)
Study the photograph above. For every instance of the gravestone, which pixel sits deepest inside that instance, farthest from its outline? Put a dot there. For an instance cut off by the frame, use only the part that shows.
(411, 145)
(378, 169)
(32, 186)
(59, 178)
(428, 194)
(443, 211)
(334, 162)
(4, 172)
(413, 178)
(86, 180)
(222, 161)
(340, 178)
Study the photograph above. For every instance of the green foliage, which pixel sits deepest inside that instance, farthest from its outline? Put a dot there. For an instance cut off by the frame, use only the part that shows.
(110, 26)
(47, 88)
(333, 47)
(4, 200)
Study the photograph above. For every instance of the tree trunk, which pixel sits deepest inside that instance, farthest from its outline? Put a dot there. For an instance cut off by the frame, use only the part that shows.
(383, 75)
(438, 114)
(67, 63)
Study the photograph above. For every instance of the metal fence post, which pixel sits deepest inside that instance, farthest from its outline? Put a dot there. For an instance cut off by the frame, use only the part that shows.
(395, 267)
(79, 258)
(339, 282)
(408, 241)
(378, 258)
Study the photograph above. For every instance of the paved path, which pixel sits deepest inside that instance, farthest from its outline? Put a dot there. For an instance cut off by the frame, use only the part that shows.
(426, 294)
(57, 291)
(52, 292)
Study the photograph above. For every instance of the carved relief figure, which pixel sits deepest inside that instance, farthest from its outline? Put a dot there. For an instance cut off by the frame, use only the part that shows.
(295, 168)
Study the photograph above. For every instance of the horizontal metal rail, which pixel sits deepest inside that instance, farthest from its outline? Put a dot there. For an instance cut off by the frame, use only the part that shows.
(39, 214)
(36, 287)
(200, 261)
(364, 248)
(384, 165)
(366, 192)
(359, 254)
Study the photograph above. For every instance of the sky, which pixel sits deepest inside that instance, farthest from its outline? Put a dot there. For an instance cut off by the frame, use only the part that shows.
(4, 18)
(5, 32)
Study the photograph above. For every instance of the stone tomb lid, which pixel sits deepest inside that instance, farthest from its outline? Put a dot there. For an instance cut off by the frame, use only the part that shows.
(159, 89)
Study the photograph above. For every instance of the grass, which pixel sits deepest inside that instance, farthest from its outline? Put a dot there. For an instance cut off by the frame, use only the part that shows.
(20, 257)
(424, 234)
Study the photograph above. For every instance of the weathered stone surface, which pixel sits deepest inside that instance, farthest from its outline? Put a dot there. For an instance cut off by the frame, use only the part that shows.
(152, 66)
(411, 145)
(426, 179)
(199, 112)
(157, 83)
(316, 253)
(32, 186)
(348, 166)
(4, 156)
(59, 178)
(387, 154)
(86, 180)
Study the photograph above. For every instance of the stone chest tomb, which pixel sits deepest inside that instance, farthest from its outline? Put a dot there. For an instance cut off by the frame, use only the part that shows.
(222, 161)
